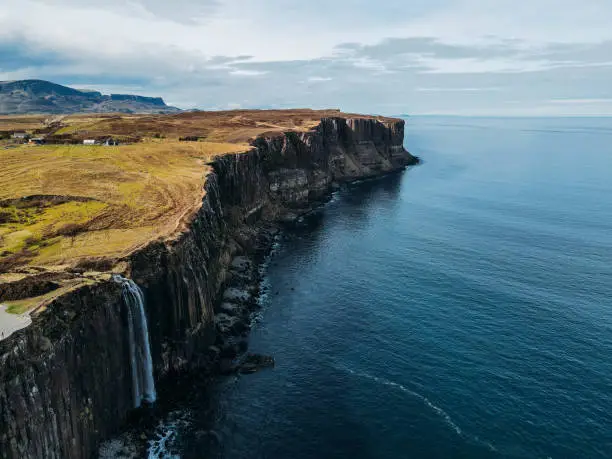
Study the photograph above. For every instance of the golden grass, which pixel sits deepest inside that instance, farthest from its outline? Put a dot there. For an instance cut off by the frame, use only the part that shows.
(120, 197)
(41, 302)
(238, 126)
(21, 122)
(27, 304)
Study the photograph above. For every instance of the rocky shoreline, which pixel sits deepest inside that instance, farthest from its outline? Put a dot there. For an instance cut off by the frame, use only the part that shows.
(65, 383)
(237, 309)
(240, 300)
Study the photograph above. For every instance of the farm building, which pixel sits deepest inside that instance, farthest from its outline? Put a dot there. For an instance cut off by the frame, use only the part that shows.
(20, 135)
(89, 142)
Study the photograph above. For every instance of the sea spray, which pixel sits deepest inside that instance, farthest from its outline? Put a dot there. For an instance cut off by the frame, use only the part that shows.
(143, 384)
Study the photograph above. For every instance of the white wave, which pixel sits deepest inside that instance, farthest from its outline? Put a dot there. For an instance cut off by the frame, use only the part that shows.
(158, 449)
(167, 433)
(431, 405)
(439, 411)
(335, 197)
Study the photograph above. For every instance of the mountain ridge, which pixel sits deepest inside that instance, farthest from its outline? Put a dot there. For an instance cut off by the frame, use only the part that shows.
(19, 97)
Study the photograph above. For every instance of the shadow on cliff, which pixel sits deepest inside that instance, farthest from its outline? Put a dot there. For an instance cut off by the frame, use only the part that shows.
(194, 398)
(357, 201)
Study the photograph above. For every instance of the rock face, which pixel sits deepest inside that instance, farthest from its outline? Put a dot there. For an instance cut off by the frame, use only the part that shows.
(65, 381)
(38, 96)
(66, 378)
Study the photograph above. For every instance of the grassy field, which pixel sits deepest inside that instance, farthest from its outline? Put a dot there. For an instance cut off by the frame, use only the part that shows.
(22, 122)
(235, 126)
(94, 201)
(62, 205)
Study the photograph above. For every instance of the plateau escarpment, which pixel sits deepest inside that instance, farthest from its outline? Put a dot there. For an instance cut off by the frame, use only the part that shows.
(39, 96)
(65, 382)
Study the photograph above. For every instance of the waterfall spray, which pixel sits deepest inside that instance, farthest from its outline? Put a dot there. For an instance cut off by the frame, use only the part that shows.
(143, 384)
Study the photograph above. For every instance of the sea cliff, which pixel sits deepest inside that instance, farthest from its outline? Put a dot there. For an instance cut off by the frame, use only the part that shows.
(65, 382)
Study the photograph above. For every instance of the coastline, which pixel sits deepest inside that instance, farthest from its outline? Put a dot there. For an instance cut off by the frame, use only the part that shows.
(148, 431)
(199, 289)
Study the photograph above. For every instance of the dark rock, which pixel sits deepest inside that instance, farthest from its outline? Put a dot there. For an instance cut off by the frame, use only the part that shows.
(230, 325)
(226, 366)
(255, 362)
(32, 286)
(231, 309)
(242, 264)
(44, 343)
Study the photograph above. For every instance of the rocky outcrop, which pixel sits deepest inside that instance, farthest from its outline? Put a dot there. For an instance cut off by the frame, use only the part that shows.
(65, 381)
(39, 96)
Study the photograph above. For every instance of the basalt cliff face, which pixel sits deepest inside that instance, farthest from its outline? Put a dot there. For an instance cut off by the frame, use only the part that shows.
(65, 381)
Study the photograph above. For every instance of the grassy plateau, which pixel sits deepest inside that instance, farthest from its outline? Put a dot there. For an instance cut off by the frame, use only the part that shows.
(61, 204)
(65, 205)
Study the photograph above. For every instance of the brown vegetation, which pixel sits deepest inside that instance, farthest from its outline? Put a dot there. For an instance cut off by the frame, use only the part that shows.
(86, 203)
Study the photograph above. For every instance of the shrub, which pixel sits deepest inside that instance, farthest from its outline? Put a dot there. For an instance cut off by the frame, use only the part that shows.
(16, 259)
(32, 240)
(71, 230)
(7, 216)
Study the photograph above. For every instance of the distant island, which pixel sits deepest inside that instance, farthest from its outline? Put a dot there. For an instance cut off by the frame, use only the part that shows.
(39, 96)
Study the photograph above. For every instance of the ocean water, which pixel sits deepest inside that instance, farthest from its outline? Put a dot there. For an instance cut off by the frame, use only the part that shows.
(461, 309)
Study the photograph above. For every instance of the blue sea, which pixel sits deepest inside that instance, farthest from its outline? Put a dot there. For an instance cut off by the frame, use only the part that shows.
(461, 309)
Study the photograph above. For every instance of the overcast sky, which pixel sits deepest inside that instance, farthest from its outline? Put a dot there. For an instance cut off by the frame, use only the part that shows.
(466, 57)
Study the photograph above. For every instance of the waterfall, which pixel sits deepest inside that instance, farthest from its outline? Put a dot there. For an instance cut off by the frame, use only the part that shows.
(143, 385)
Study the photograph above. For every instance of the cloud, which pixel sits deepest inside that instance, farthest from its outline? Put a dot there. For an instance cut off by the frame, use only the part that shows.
(182, 11)
(457, 89)
(248, 73)
(581, 101)
(437, 56)
(491, 56)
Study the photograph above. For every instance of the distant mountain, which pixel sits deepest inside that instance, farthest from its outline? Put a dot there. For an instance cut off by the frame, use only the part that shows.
(38, 96)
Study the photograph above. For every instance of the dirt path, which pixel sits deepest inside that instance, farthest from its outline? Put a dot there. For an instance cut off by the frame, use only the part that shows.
(10, 323)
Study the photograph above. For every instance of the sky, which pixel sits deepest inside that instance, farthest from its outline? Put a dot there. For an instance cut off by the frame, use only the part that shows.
(459, 57)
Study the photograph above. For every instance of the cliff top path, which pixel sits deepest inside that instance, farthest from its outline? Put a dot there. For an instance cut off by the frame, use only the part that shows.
(65, 204)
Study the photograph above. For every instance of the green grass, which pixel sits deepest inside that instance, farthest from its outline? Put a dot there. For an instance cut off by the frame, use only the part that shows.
(122, 197)
(29, 304)
(21, 306)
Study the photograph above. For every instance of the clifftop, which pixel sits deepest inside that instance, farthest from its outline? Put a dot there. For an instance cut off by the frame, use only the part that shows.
(39, 96)
(70, 207)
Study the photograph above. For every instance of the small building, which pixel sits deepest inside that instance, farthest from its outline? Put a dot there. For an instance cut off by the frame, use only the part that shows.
(37, 141)
(110, 142)
(89, 142)
(20, 135)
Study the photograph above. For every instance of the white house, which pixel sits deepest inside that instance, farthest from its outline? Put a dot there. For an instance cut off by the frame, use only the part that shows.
(89, 142)
(19, 135)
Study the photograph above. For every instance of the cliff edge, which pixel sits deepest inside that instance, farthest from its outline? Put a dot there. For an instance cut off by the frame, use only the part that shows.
(65, 381)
